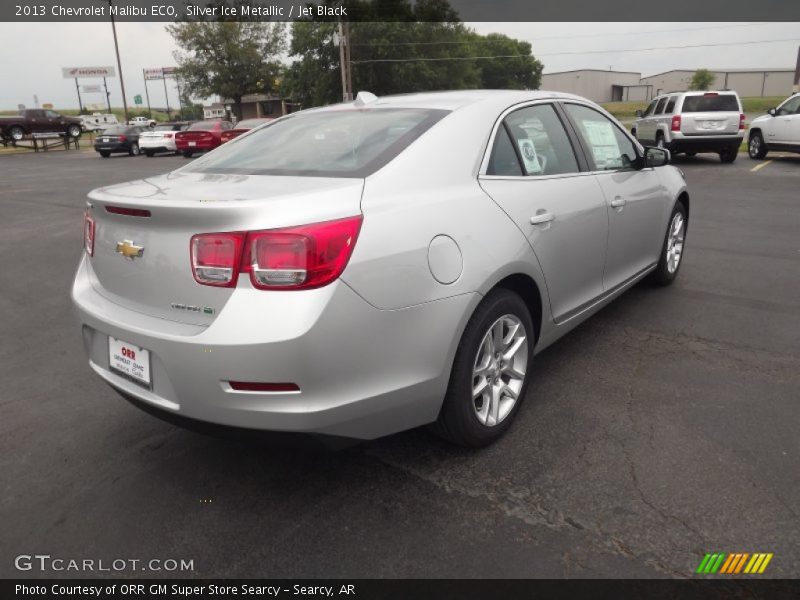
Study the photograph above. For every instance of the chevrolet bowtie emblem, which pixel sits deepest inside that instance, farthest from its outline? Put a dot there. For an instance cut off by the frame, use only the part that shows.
(129, 250)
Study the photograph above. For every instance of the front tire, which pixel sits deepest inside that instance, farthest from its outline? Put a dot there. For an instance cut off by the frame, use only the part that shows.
(672, 249)
(756, 147)
(490, 372)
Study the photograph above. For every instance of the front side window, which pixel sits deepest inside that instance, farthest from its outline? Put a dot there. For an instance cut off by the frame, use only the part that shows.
(651, 109)
(790, 107)
(610, 149)
(330, 143)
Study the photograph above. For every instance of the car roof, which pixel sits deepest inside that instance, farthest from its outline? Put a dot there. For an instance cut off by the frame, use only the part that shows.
(458, 99)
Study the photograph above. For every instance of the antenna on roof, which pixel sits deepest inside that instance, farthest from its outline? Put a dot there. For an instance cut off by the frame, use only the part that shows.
(365, 98)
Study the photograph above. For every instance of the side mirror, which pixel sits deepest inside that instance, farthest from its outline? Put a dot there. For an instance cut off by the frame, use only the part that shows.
(656, 157)
(639, 113)
(772, 112)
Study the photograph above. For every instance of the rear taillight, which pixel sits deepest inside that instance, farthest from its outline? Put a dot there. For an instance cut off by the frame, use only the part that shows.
(293, 258)
(741, 120)
(299, 258)
(88, 233)
(216, 257)
(122, 138)
(676, 123)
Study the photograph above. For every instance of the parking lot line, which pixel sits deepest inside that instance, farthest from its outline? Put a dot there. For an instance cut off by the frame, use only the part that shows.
(760, 166)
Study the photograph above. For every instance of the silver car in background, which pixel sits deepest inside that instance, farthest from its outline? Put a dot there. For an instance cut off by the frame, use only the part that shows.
(369, 267)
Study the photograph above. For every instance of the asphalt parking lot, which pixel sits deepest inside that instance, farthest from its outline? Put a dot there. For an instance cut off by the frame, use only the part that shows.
(663, 428)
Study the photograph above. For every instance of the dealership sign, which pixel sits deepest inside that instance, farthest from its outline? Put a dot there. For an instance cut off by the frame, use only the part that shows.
(74, 72)
(160, 73)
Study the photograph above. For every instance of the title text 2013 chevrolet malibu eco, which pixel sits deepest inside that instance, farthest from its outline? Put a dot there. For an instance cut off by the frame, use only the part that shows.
(365, 268)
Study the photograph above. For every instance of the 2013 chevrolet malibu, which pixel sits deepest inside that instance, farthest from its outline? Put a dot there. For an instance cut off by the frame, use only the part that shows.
(373, 266)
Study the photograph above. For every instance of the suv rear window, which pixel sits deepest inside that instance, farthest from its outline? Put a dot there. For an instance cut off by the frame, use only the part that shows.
(332, 143)
(711, 103)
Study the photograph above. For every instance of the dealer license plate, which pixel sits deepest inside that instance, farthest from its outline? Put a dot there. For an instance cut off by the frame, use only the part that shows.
(130, 360)
(104, 140)
(193, 143)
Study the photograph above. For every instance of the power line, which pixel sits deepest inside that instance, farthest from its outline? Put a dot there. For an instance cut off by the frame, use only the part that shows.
(426, 59)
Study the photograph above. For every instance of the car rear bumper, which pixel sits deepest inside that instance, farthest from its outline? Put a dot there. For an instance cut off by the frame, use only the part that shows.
(705, 143)
(198, 147)
(111, 147)
(362, 372)
(158, 145)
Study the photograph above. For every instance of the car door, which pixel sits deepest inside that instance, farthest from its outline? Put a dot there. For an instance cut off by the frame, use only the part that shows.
(55, 121)
(785, 125)
(37, 122)
(637, 201)
(539, 177)
(646, 128)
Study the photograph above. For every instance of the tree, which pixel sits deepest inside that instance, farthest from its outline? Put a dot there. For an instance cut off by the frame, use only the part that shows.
(386, 45)
(702, 80)
(228, 58)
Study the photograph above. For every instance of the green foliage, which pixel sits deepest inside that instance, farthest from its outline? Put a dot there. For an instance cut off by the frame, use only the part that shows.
(228, 58)
(428, 29)
(702, 80)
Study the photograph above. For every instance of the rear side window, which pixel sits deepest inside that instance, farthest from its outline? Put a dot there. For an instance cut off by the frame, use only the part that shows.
(503, 160)
(711, 103)
(671, 105)
(540, 141)
(660, 106)
(330, 143)
(610, 148)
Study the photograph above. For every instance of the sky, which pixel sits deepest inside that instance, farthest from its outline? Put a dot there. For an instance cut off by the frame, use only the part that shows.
(560, 46)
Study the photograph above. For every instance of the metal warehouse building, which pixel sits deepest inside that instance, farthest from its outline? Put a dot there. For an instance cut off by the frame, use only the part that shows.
(616, 86)
(747, 82)
(598, 85)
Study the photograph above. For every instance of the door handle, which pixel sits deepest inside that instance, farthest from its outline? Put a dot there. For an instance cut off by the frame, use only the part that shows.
(618, 202)
(541, 218)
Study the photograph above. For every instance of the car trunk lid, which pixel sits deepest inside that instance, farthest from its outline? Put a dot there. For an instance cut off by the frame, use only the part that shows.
(155, 277)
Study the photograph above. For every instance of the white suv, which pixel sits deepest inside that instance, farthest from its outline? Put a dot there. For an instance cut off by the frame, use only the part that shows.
(777, 130)
(692, 122)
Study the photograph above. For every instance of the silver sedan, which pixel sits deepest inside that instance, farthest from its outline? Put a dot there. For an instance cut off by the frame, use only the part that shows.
(374, 266)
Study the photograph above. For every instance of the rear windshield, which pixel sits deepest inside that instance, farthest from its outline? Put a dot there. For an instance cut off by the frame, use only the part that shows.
(341, 143)
(203, 125)
(115, 130)
(168, 127)
(711, 103)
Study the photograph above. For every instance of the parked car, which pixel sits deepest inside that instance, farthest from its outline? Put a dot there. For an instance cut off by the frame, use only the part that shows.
(118, 139)
(38, 120)
(243, 127)
(361, 269)
(161, 138)
(778, 130)
(98, 121)
(693, 122)
(201, 136)
(142, 122)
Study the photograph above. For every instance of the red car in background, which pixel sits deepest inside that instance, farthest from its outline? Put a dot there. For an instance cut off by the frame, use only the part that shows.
(243, 127)
(201, 136)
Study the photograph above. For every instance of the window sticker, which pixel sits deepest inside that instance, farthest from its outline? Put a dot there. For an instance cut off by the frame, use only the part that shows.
(528, 151)
(605, 148)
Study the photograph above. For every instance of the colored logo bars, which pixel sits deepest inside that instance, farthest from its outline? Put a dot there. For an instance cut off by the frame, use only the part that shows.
(734, 564)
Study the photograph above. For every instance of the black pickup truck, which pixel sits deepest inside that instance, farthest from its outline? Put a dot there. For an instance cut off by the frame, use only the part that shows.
(38, 120)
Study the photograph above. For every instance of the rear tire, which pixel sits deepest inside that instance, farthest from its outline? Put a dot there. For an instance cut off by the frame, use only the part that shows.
(16, 133)
(729, 155)
(187, 154)
(660, 143)
(495, 352)
(149, 153)
(672, 249)
(134, 149)
(756, 147)
(105, 154)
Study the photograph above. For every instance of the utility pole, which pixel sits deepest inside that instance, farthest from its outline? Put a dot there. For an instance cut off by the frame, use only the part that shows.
(119, 62)
(80, 104)
(796, 86)
(344, 60)
(164, 78)
(108, 95)
(147, 94)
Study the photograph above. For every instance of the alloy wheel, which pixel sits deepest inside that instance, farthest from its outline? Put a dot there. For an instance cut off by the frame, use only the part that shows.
(677, 234)
(499, 370)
